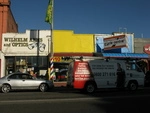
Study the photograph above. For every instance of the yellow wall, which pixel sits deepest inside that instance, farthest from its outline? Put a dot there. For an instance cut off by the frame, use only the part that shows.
(67, 41)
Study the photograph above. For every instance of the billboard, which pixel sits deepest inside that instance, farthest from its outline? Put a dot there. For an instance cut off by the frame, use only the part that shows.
(21, 44)
(115, 42)
(100, 46)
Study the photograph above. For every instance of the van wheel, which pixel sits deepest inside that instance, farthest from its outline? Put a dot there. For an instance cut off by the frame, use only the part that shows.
(90, 88)
(132, 86)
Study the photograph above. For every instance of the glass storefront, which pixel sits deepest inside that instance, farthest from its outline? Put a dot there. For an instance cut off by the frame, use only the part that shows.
(38, 65)
(26, 64)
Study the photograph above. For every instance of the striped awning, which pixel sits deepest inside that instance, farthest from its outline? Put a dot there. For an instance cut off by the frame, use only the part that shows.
(126, 55)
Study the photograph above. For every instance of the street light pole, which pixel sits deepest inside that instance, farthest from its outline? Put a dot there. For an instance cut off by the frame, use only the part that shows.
(52, 47)
(48, 36)
(38, 52)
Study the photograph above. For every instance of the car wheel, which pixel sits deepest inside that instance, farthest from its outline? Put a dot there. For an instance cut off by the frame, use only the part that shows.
(90, 88)
(43, 87)
(5, 88)
(132, 86)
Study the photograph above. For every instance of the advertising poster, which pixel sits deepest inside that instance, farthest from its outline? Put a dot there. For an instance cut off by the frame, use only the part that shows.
(104, 43)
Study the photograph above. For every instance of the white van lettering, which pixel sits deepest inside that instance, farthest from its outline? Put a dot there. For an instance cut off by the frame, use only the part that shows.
(102, 66)
(104, 74)
(81, 79)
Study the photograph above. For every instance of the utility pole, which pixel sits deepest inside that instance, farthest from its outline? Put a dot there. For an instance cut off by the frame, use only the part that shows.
(38, 52)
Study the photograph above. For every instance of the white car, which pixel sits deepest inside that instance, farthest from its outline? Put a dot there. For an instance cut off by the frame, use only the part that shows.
(24, 81)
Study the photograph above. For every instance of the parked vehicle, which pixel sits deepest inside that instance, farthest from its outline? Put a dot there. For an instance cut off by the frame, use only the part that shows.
(24, 81)
(62, 74)
(92, 73)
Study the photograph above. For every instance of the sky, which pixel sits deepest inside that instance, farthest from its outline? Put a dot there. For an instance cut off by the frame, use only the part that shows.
(85, 16)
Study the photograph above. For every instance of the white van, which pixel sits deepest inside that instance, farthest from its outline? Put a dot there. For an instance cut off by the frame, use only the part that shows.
(90, 74)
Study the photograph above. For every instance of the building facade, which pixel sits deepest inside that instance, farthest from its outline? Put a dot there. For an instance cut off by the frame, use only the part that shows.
(68, 42)
(140, 43)
(116, 42)
(25, 52)
(29, 51)
(7, 21)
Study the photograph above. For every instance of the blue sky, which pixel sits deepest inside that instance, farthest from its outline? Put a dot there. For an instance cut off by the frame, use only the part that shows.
(86, 16)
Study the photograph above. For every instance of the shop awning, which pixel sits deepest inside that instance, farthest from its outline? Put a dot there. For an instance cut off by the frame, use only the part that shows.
(126, 55)
(73, 54)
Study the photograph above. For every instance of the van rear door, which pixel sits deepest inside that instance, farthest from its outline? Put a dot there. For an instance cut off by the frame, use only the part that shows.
(81, 74)
(70, 74)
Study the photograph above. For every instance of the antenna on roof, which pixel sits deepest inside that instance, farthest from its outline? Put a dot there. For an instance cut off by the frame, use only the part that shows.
(142, 35)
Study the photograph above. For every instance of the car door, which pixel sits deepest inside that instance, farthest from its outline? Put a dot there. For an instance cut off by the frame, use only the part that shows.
(29, 82)
(15, 81)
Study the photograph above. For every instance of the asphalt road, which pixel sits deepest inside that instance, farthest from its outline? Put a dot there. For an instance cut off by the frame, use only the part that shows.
(62, 100)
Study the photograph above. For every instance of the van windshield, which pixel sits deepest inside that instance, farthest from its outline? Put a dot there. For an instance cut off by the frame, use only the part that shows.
(132, 66)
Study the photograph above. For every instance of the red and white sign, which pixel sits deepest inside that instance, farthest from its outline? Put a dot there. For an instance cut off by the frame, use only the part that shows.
(81, 74)
(81, 68)
(115, 42)
(147, 49)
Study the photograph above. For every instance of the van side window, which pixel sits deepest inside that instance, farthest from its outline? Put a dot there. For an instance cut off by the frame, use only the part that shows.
(128, 66)
(131, 66)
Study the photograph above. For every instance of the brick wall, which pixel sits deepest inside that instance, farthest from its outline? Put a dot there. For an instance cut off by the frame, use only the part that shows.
(7, 21)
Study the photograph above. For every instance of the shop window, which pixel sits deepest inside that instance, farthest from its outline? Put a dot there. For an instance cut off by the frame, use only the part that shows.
(40, 61)
(45, 61)
(29, 61)
(32, 61)
(25, 63)
(9, 65)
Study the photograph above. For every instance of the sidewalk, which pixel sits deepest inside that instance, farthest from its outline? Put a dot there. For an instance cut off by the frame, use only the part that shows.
(60, 84)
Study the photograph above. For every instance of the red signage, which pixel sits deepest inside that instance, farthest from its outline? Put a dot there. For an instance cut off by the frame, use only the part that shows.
(147, 49)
